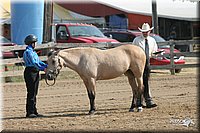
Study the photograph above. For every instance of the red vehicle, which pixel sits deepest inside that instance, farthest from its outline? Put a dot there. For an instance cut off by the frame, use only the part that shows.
(128, 36)
(5, 42)
(166, 60)
(80, 33)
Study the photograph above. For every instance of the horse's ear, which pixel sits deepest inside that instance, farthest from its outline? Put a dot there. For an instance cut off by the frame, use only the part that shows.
(50, 53)
(53, 51)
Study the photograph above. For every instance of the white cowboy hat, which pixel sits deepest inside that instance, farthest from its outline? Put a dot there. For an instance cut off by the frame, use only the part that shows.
(145, 27)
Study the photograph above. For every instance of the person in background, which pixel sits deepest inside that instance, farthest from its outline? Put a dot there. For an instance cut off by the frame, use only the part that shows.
(150, 46)
(31, 75)
(172, 35)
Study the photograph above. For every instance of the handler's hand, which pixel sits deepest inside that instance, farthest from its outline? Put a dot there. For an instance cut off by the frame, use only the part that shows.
(45, 70)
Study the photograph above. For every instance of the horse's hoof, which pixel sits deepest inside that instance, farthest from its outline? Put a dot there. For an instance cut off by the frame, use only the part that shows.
(91, 112)
(131, 110)
(140, 109)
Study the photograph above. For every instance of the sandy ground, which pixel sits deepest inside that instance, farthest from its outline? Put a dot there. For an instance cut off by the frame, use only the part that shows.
(66, 105)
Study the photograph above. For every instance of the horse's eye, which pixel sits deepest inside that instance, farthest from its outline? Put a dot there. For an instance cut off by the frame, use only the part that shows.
(53, 62)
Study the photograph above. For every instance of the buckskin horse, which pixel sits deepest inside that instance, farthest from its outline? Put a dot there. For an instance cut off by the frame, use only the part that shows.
(94, 64)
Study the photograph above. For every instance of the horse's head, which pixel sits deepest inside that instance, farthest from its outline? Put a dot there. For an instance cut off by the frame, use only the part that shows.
(54, 65)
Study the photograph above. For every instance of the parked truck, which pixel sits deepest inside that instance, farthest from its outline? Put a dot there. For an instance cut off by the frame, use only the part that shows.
(80, 33)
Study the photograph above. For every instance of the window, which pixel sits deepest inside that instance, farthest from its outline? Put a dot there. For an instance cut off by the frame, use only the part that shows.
(61, 33)
(85, 31)
(122, 37)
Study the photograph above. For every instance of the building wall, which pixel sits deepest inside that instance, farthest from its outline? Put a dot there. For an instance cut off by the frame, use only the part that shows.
(136, 20)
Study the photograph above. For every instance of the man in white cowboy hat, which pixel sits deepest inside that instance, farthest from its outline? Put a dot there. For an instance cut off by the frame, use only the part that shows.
(150, 46)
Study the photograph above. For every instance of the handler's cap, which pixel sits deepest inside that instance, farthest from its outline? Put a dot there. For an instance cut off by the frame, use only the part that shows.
(30, 39)
(145, 27)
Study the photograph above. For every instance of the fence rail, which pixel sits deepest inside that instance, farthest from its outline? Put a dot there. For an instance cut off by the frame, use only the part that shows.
(52, 45)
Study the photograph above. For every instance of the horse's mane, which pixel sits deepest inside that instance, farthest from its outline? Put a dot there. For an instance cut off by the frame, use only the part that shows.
(71, 50)
(49, 53)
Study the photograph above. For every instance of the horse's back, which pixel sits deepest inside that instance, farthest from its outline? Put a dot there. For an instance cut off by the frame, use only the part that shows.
(134, 48)
(133, 51)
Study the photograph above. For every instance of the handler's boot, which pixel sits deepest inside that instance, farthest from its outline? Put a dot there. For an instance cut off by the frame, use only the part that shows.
(31, 116)
(150, 103)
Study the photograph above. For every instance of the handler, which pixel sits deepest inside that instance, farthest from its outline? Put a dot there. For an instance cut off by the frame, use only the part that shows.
(150, 46)
(31, 75)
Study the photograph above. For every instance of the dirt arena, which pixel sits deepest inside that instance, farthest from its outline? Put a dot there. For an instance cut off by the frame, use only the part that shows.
(66, 105)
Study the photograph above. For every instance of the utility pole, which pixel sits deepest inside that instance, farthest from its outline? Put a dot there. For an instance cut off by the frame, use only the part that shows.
(154, 17)
(48, 18)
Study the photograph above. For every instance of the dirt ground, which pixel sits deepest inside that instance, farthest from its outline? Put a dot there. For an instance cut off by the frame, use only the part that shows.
(66, 105)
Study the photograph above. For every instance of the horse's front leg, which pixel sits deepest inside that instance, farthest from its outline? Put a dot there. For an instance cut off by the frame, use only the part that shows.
(91, 88)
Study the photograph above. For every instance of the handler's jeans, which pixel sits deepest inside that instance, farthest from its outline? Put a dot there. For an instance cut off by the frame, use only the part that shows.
(31, 76)
(146, 92)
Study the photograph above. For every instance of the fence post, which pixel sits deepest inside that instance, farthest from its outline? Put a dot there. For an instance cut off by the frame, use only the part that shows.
(191, 48)
(172, 70)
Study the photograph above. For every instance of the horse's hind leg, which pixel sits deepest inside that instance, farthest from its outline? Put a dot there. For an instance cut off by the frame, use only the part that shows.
(139, 93)
(132, 82)
(138, 73)
(91, 88)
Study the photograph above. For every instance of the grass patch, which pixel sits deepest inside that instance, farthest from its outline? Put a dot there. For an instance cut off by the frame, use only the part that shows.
(63, 75)
(14, 79)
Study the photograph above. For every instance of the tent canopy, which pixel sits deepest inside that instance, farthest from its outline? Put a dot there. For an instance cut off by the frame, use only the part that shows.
(5, 11)
(61, 14)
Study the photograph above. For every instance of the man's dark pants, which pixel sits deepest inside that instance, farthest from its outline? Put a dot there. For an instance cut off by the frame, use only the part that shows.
(146, 93)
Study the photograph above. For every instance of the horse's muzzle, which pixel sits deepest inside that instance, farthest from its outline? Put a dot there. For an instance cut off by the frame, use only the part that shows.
(51, 75)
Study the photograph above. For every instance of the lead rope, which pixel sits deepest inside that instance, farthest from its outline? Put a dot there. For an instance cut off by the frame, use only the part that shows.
(54, 81)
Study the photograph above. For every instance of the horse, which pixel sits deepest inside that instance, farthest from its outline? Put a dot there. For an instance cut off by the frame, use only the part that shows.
(94, 64)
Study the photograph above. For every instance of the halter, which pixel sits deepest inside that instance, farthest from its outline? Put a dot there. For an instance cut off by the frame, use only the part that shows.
(54, 72)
